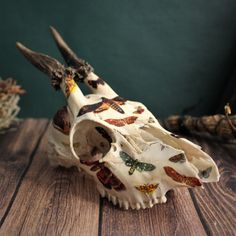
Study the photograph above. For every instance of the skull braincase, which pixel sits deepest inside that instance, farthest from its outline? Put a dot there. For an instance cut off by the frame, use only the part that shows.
(132, 158)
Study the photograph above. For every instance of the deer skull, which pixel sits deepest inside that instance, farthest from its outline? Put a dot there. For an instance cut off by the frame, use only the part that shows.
(132, 158)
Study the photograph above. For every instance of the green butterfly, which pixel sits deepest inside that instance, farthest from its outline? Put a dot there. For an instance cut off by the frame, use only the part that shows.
(135, 164)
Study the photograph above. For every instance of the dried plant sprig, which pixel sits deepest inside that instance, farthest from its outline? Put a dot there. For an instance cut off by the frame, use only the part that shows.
(9, 86)
(9, 97)
(223, 126)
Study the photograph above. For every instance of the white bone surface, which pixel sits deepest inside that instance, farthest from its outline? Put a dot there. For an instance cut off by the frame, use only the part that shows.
(143, 140)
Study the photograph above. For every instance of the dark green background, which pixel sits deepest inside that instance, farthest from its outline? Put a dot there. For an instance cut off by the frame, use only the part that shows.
(170, 55)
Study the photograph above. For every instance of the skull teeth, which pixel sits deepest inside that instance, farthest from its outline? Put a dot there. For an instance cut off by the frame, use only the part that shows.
(135, 206)
(138, 206)
(101, 191)
(114, 200)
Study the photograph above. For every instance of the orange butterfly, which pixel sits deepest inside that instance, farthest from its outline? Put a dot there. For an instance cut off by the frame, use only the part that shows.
(147, 188)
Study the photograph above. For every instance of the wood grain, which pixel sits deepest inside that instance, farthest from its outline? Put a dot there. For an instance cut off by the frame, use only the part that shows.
(36, 199)
(16, 148)
(53, 201)
(216, 203)
(176, 217)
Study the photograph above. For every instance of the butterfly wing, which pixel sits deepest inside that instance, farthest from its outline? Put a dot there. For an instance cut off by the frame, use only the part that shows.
(116, 107)
(130, 119)
(102, 107)
(96, 107)
(119, 100)
(142, 166)
(113, 105)
(128, 160)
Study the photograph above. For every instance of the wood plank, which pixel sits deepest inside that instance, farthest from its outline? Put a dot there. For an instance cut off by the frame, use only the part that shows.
(53, 201)
(176, 217)
(216, 203)
(16, 148)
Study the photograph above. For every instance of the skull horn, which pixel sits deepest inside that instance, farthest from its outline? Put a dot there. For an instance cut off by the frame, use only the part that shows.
(69, 56)
(84, 69)
(61, 77)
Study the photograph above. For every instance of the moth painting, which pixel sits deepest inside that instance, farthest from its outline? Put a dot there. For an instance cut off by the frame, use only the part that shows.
(178, 158)
(105, 176)
(104, 105)
(173, 174)
(147, 188)
(122, 122)
(135, 164)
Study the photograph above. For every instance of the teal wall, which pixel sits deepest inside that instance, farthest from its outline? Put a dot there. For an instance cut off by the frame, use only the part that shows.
(169, 54)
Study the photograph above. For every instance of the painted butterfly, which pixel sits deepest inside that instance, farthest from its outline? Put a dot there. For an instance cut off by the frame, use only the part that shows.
(122, 122)
(135, 164)
(104, 105)
(147, 188)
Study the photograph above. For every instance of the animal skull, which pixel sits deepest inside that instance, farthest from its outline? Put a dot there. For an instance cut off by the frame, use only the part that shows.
(132, 158)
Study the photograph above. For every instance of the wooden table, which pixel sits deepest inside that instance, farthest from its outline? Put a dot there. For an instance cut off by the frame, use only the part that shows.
(36, 199)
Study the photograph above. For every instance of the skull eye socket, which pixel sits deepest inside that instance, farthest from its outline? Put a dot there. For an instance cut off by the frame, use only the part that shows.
(91, 141)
